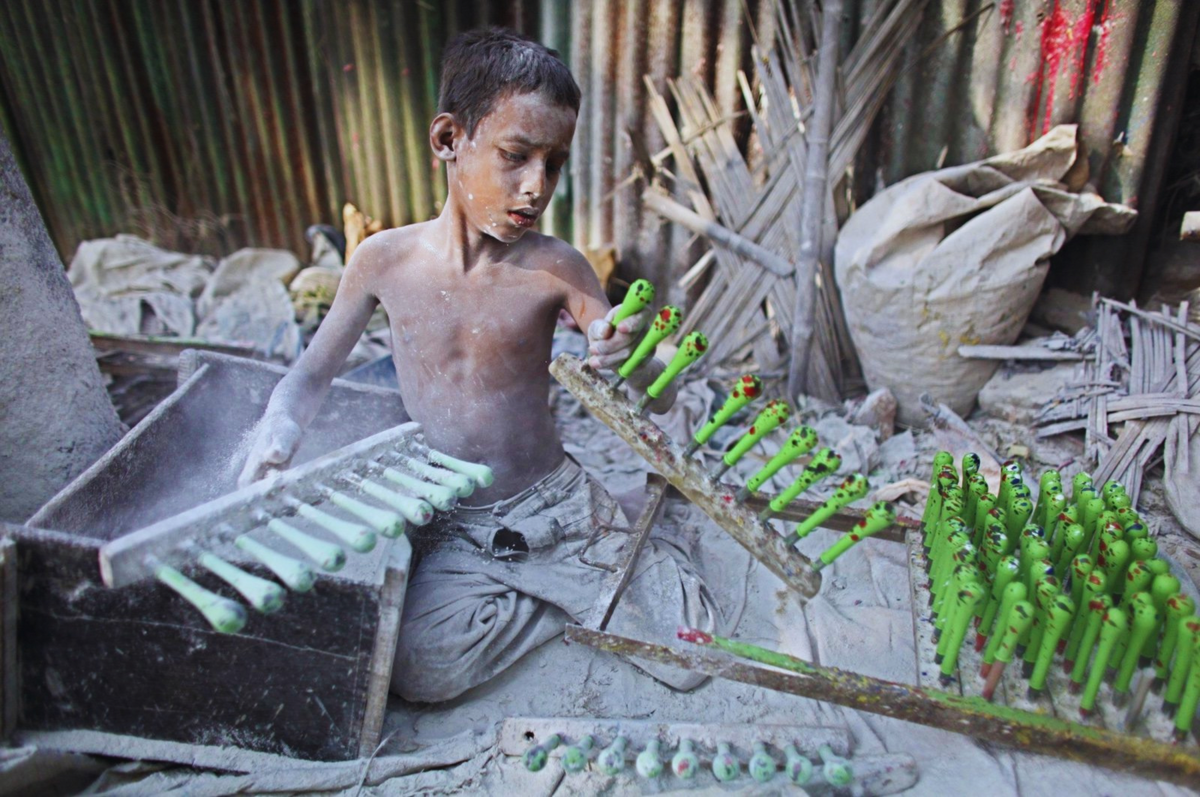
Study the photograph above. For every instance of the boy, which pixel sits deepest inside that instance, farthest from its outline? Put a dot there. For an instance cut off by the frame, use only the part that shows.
(473, 297)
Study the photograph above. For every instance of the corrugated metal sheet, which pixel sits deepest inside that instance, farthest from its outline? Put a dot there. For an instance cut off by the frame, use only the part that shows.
(210, 125)
(218, 124)
(1022, 66)
(982, 77)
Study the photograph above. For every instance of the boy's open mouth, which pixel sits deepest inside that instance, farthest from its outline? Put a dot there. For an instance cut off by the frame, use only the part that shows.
(525, 217)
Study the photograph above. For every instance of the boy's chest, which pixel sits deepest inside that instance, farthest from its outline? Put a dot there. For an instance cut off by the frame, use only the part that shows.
(472, 311)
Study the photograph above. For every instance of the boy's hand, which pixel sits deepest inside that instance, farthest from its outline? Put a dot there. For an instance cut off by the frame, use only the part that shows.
(275, 443)
(608, 347)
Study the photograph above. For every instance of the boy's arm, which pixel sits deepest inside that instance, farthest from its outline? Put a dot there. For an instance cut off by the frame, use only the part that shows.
(608, 348)
(298, 396)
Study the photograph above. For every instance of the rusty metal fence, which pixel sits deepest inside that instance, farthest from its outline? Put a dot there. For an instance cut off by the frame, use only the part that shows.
(211, 125)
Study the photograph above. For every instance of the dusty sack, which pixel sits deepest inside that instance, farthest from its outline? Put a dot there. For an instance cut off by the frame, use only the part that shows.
(955, 257)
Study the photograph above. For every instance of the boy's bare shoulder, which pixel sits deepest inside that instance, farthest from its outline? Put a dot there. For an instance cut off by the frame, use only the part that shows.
(387, 249)
(558, 257)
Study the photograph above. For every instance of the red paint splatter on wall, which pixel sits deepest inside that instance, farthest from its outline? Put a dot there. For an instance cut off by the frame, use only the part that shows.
(1105, 28)
(1006, 14)
(1064, 47)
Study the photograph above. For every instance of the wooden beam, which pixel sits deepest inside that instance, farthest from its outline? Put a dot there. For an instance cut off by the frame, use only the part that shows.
(673, 211)
(972, 716)
(617, 412)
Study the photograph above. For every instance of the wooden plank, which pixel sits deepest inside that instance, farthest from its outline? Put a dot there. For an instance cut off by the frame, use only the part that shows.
(141, 661)
(673, 211)
(10, 685)
(379, 679)
(972, 716)
(517, 734)
(617, 412)
(610, 595)
(843, 520)
(1019, 353)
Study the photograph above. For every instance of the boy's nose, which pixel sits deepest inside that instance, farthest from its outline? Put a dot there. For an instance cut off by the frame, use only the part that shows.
(533, 180)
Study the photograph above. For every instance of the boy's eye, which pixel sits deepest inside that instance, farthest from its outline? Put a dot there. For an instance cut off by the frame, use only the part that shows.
(554, 167)
(515, 157)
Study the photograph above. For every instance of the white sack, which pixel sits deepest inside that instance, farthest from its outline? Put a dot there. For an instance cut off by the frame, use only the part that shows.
(956, 257)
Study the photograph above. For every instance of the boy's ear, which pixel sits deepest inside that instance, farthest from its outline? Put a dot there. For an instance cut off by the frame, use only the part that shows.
(443, 132)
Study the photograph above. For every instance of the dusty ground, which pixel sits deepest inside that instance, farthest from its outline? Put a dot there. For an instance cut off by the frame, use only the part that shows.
(860, 621)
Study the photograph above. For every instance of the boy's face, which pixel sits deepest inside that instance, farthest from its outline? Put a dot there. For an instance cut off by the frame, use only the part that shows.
(506, 173)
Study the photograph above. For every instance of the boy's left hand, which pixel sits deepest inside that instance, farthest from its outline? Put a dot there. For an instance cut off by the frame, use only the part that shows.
(609, 347)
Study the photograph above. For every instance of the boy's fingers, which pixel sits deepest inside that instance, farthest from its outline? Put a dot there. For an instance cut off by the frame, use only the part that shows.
(600, 330)
(607, 361)
(635, 323)
(617, 342)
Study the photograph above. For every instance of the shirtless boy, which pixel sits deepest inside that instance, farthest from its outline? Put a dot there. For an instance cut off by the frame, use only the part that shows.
(473, 297)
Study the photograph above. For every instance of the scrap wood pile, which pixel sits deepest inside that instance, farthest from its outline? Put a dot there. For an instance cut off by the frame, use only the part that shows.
(1136, 400)
(753, 211)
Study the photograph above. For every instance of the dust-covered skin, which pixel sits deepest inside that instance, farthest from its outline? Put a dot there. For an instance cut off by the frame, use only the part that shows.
(473, 297)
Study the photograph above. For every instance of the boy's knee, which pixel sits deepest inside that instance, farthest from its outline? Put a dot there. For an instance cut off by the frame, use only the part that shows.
(419, 677)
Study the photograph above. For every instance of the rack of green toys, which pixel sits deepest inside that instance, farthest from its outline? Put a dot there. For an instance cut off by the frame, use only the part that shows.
(1074, 589)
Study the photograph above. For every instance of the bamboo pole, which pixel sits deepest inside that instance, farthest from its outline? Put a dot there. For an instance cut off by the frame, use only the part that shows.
(816, 169)
(673, 211)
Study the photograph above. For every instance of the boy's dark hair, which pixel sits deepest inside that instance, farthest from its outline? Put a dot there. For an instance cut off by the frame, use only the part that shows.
(481, 66)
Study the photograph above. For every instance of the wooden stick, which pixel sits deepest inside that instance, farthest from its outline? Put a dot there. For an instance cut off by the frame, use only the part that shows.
(973, 716)
(618, 413)
(673, 211)
(816, 167)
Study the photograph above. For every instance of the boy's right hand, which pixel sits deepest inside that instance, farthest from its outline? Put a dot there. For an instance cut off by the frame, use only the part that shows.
(609, 347)
(275, 443)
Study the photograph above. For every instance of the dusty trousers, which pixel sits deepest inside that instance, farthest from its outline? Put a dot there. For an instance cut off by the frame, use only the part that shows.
(492, 583)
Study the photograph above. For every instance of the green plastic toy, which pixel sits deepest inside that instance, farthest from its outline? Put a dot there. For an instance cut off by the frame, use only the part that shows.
(852, 488)
(802, 440)
(799, 767)
(1096, 610)
(224, 615)
(725, 766)
(877, 518)
(535, 757)
(772, 416)
(837, 770)
(823, 464)
(356, 536)
(745, 390)
(329, 557)
(666, 323)
(649, 761)
(1179, 606)
(575, 756)
(692, 349)
(685, 764)
(298, 576)
(762, 765)
(612, 758)
(639, 296)
(265, 596)
(1188, 633)
(1062, 609)
(1113, 625)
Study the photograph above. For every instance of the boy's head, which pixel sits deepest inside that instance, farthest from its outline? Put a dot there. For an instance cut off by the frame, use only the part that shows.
(506, 118)
(480, 67)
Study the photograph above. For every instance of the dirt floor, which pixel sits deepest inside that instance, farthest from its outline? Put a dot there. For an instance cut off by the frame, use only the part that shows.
(860, 621)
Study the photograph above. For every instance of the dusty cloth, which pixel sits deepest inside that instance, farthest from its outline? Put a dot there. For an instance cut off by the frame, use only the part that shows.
(492, 583)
